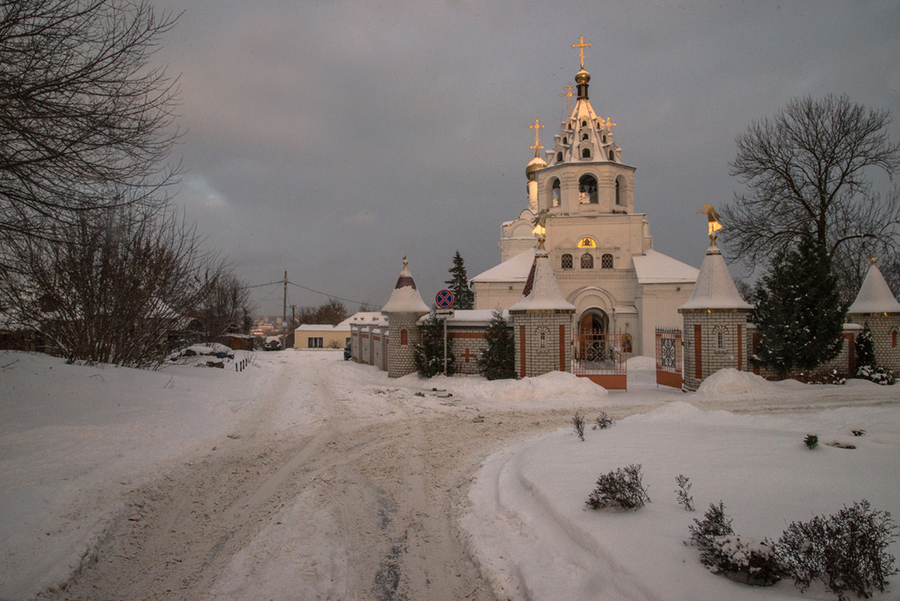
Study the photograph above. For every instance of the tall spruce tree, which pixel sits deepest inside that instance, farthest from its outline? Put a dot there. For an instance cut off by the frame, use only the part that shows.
(498, 360)
(459, 284)
(798, 311)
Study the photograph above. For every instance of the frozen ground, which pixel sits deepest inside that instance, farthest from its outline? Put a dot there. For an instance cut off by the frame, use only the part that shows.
(305, 477)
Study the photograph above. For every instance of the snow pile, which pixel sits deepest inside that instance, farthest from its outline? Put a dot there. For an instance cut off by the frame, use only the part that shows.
(642, 364)
(535, 539)
(730, 381)
(552, 385)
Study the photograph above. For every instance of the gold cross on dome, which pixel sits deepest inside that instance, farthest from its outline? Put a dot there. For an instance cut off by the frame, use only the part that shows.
(568, 94)
(582, 45)
(537, 134)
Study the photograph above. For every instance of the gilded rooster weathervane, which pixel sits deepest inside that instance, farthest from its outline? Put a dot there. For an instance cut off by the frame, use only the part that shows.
(713, 217)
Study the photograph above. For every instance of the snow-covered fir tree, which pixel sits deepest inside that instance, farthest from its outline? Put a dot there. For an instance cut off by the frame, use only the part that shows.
(429, 354)
(798, 311)
(498, 360)
(459, 284)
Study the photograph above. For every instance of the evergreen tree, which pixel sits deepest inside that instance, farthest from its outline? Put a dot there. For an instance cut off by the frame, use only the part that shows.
(459, 285)
(865, 348)
(498, 360)
(429, 354)
(798, 311)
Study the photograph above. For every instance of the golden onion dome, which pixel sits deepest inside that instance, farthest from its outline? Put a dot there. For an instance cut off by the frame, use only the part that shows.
(582, 77)
(535, 164)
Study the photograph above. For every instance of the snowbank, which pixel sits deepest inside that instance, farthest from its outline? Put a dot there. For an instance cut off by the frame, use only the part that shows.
(730, 381)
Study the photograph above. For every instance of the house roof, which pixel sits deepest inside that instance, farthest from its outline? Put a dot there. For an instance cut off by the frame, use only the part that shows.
(656, 268)
(875, 295)
(405, 298)
(512, 270)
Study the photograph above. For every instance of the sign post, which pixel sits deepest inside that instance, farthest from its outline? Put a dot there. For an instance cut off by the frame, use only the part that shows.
(444, 300)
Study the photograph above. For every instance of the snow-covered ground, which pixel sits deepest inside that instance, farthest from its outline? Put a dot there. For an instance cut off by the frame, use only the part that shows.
(313, 440)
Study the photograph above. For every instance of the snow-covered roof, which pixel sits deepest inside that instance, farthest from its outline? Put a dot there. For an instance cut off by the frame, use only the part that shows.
(344, 326)
(405, 298)
(656, 268)
(715, 287)
(474, 316)
(874, 295)
(625, 310)
(542, 290)
(511, 270)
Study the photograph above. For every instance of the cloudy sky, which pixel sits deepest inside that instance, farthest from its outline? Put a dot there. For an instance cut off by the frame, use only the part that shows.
(331, 138)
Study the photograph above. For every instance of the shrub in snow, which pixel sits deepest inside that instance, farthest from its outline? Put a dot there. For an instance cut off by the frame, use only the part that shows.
(848, 551)
(876, 374)
(603, 421)
(621, 489)
(858, 432)
(811, 441)
(724, 552)
(864, 348)
(578, 423)
(685, 499)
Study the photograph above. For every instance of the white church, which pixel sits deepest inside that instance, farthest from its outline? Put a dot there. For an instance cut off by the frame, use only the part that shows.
(582, 194)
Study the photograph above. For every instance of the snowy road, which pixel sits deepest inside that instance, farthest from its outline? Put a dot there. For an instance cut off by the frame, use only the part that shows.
(353, 488)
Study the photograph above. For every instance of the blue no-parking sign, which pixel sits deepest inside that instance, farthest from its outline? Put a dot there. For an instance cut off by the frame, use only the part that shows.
(444, 299)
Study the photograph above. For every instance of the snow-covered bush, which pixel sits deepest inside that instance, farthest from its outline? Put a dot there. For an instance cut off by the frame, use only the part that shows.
(622, 489)
(848, 551)
(876, 374)
(685, 499)
(498, 360)
(429, 354)
(578, 424)
(724, 552)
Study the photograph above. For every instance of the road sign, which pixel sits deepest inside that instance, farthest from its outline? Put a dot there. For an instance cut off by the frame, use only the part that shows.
(444, 299)
(444, 313)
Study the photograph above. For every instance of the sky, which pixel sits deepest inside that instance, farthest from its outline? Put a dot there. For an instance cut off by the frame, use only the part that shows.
(329, 139)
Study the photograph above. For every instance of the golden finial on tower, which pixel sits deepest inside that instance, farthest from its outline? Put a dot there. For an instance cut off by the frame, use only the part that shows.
(713, 218)
(581, 45)
(872, 258)
(405, 262)
(537, 136)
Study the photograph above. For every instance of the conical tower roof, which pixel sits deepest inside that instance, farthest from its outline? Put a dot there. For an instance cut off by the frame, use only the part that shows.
(542, 291)
(715, 287)
(875, 295)
(405, 298)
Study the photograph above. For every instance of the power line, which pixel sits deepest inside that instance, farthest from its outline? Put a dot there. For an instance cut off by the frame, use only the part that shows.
(349, 300)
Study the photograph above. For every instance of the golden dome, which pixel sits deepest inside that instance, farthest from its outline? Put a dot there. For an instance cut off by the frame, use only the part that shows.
(582, 77)
(535, 164)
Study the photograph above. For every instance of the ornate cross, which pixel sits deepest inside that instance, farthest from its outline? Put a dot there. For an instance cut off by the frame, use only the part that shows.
(582, 45)
(537, 134)
(568, 95)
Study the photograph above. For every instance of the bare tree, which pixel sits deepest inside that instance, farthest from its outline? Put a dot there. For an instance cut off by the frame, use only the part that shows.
(226, 307)
(332, 312)
(113, 288)
(808, 171)
(83, 114)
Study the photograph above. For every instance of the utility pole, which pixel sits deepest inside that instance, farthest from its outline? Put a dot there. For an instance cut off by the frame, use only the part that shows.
(284, 313)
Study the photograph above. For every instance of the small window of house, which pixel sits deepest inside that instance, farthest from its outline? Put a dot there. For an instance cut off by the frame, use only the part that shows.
(720, 339)
(567, 261)
(403, 339)
(543, 339)
(894, 339)
(606, 261)
(587, 261)
(314, 342)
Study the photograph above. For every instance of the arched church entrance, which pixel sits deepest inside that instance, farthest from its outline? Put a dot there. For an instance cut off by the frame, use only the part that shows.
(593, 327)
(594, 321)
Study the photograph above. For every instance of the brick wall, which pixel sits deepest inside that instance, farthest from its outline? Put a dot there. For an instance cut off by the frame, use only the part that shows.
(400, 357)
(884, 337)
(722, 343)
(536, 355)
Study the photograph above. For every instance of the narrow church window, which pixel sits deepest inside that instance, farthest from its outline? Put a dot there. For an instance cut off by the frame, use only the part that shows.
(586, 153)
(555, 188)
(559, 157)
(606, 261)
(543, 339)
(565, 140)
(584, 136)
(720, 339)
(567, 261)
(618, 192)
(587, 188)
(403, 337)
(604, 138)
(587, 261)
(612, 155)
(584, 124)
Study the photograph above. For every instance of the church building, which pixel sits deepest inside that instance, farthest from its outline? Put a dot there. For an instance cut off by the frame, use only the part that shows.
(581, 199)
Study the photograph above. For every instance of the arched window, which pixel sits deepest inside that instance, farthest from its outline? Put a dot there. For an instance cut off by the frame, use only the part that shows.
(584, 136)
(720, 339)
(612, 155)
(618, 192)
(586, 153)
(894, 339)
(565, 140)
(567, 261)
(587, 189)
(606, 261)
(559, 157)
(584, 124)
(555, 190)
(587, 261)
(604, 138)
(403, 339)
